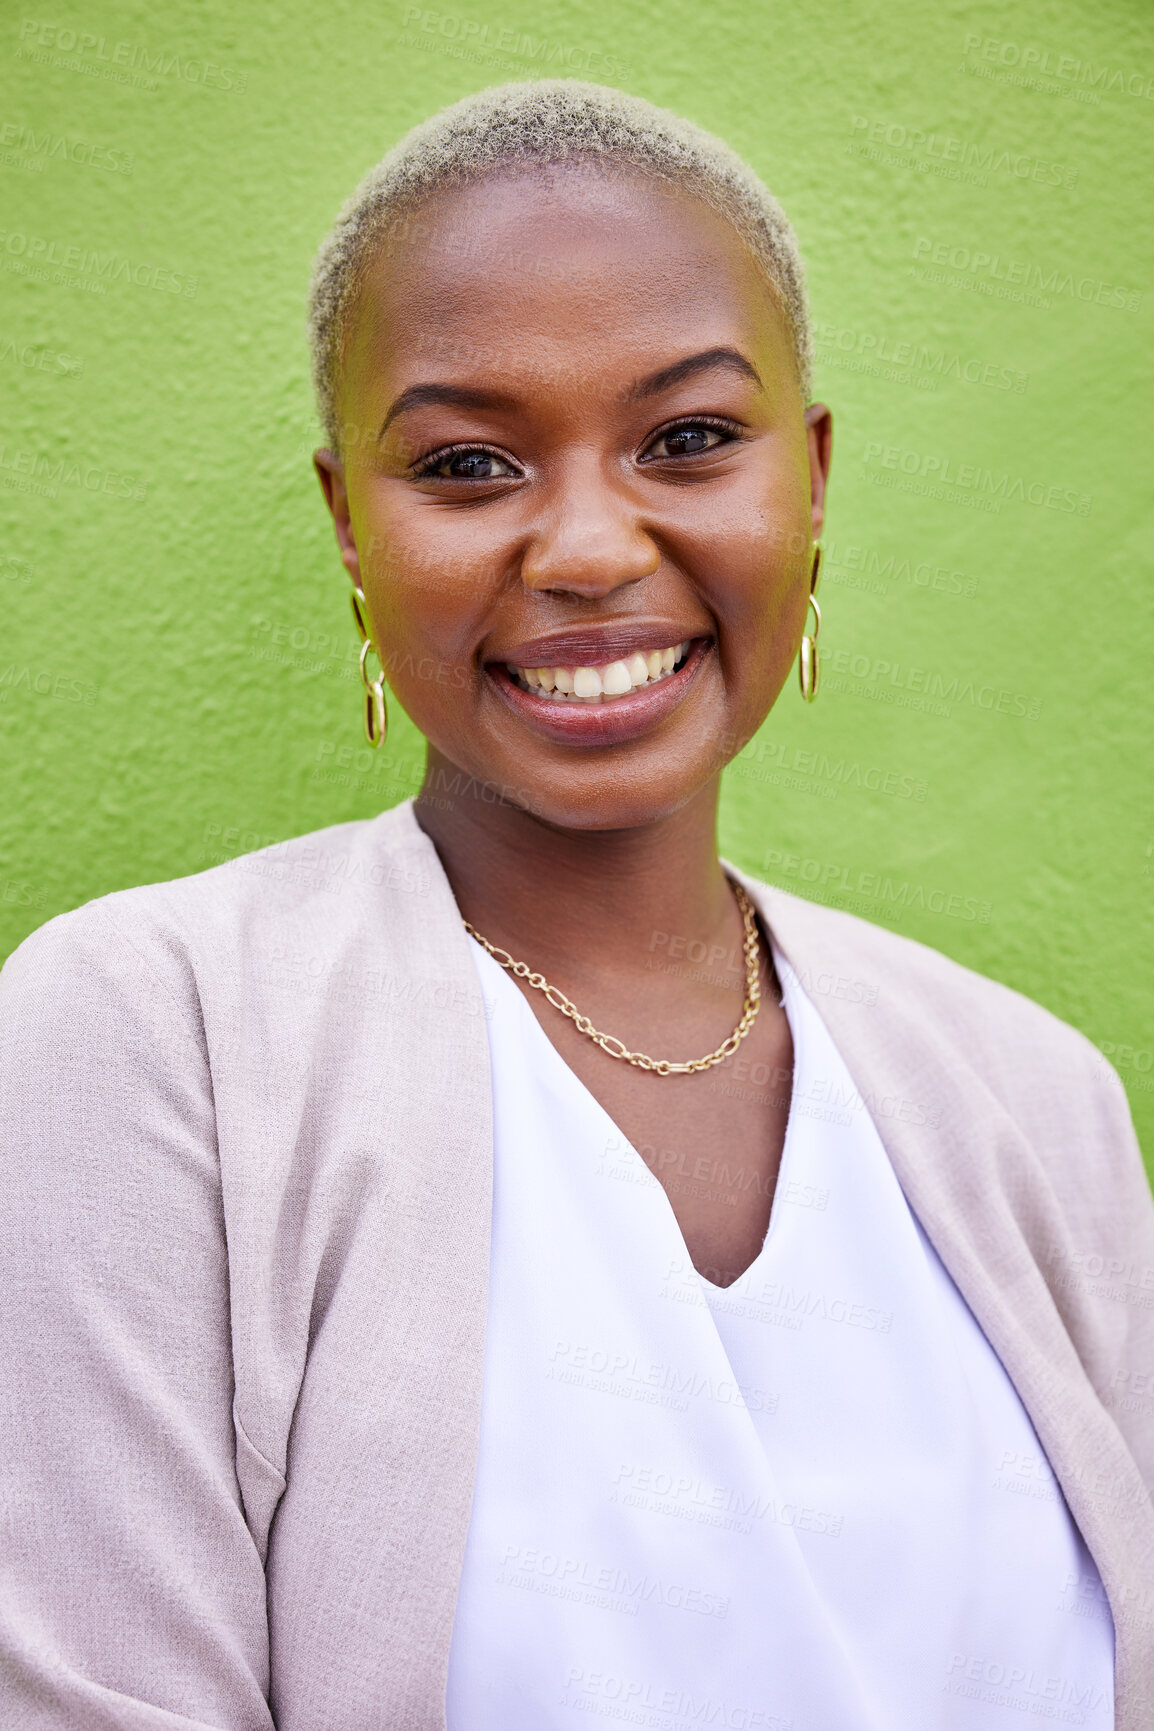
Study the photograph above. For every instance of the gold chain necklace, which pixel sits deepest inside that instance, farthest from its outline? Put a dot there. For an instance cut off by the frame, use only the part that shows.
(617, 1048)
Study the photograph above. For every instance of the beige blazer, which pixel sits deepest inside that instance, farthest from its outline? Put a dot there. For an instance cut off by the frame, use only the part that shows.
(244, 1235)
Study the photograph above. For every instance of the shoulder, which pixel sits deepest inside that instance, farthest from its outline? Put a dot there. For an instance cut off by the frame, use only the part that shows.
(163, 939)
(898, 966)
(913, 996)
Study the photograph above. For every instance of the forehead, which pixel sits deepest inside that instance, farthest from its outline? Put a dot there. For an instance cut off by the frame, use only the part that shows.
(568, 269)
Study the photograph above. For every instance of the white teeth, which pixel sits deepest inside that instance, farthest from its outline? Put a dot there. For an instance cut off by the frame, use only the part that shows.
(611, 679)
(615, 679)
(586, 682)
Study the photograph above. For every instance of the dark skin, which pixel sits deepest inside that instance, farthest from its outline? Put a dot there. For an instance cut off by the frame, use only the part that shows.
(580, 495)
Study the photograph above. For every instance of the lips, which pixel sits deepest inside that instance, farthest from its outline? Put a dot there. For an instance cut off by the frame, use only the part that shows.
(603, 683)
(601, 717)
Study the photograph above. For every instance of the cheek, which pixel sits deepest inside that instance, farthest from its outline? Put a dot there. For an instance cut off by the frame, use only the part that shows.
(426, 652)
(759, 530)
(429, 606)
(758, 574)
(422, 595)
(424, 664)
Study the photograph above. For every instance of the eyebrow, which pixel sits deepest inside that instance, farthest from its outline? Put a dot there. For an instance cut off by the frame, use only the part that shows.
(707, 361)
(455, 396)
(652, 385)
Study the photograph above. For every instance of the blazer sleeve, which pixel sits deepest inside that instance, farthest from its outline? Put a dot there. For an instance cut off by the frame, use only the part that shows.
(132, 1594)
(1107, 1270)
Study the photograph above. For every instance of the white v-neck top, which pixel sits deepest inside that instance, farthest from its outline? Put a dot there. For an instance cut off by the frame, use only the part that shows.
(812, 1500)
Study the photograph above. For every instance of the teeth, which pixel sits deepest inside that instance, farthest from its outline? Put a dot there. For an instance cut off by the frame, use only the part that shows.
(587, 682)
(611, 679)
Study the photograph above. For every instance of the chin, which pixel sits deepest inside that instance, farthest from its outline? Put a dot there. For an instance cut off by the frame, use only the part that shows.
(620, 801)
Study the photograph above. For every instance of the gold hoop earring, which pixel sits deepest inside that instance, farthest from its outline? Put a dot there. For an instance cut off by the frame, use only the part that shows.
(809, 666)
(376, 715)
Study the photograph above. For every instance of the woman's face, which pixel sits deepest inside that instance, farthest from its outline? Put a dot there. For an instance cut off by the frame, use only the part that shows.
(574, 441)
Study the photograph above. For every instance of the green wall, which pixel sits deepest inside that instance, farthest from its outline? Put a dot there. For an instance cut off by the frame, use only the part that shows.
(970, 184)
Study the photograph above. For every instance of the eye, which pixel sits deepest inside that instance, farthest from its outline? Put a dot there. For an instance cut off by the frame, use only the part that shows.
(465, 463)
(689, 439)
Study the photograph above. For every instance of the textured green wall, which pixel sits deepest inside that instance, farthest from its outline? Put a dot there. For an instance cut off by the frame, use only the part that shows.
(970, 184)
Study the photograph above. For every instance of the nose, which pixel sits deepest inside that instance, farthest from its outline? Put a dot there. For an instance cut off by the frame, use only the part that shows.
(589, 538)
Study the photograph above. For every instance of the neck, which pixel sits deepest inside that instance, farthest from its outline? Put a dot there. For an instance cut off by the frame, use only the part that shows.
(593, 901)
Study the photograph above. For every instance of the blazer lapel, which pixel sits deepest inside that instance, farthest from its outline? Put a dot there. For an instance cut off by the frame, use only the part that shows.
(368, 1543)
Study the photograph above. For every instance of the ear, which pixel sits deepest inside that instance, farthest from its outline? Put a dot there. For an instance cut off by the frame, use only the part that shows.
(331, 475)
(819, 433)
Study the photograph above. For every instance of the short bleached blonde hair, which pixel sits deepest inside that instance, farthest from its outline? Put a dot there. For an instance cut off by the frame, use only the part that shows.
(542, 122)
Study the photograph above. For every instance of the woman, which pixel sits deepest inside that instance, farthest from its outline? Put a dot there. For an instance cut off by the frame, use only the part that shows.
(432, 1298)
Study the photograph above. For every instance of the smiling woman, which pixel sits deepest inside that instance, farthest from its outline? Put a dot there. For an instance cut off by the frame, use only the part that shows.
(426, 1305)
(621, 396)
